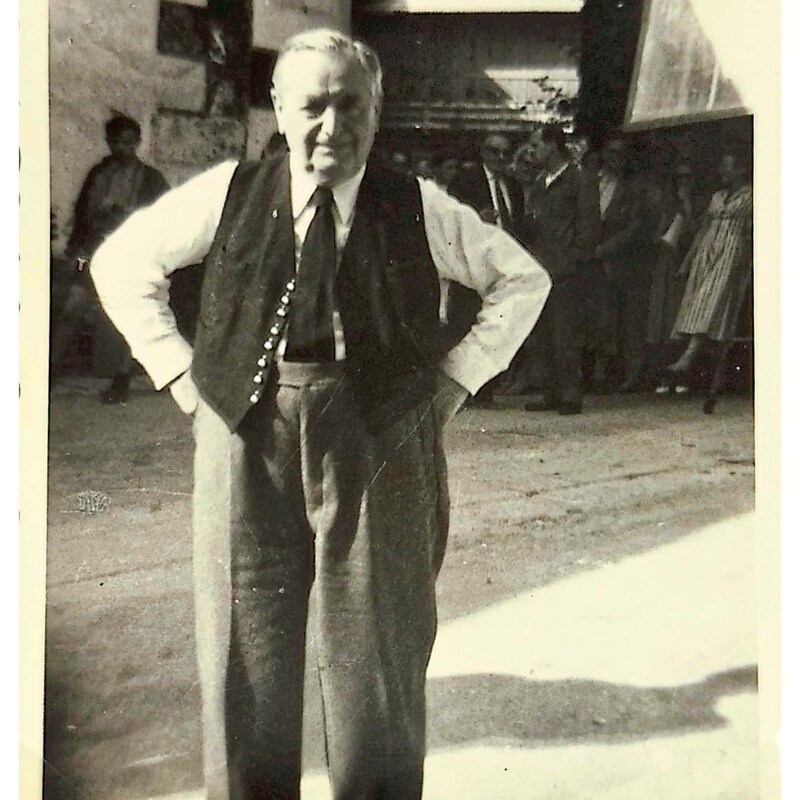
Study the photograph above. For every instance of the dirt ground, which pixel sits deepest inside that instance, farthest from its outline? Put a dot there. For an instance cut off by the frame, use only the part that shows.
(536, 498)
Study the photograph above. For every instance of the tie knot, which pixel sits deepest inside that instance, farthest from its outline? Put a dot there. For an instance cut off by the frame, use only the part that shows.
(322, 197)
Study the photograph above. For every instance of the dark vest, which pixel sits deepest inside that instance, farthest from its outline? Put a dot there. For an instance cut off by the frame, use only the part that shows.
(387, 293)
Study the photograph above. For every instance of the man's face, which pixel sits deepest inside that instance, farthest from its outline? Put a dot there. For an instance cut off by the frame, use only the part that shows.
(399, 161)
(324, 107)
(124, 144)
(424, 168)
(448, 170)
(729, 171)
(614, 156)
(541, 149)
(495, 152)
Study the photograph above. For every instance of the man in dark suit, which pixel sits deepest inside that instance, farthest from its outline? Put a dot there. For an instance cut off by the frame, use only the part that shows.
(112, 190)
(563, 234)
(489, 189)
(611, 292)
(499, 200)
(319, 387)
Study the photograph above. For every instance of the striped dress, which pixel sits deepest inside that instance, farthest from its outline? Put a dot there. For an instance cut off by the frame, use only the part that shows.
(719, 267)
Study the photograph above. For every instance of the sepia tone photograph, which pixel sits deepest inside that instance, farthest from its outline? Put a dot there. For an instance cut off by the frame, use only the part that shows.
(406, 380)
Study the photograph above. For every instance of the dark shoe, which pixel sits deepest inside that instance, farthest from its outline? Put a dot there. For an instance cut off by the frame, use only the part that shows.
(118, 392)
(543, 405)
(629, 386)
(479, 402)
(570, 409)
(516, 390)
(709, 404)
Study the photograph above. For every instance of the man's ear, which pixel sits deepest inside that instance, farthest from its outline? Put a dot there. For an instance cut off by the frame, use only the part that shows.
(277, 107)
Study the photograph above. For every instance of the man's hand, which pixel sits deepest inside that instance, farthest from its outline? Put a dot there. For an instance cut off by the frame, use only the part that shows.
(448, 398)
(184, 393)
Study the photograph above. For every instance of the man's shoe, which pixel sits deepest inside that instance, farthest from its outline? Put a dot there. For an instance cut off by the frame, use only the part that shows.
(630, 386)
(570, 409)
(118, 392)
(543, 405)
(488, 404)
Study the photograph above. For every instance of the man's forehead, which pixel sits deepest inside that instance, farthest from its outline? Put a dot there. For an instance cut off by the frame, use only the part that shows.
(309, 70)
(125, 135)
(497, 140)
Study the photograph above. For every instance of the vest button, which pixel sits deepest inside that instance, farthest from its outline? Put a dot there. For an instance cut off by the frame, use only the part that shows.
(285, 299)
(257, 378)
(281, 312)
(268, 345)
(274, 330)
(290, 286)
(254, 397)
(262, 362)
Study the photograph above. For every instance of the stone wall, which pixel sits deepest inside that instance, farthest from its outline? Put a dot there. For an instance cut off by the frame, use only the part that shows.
(103, 61)
(105, 56)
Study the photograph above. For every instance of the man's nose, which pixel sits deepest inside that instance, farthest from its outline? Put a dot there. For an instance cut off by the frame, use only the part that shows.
(331, 121)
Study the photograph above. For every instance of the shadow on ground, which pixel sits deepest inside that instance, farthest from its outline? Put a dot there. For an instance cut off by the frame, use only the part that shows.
(471, 708)
(536, 500)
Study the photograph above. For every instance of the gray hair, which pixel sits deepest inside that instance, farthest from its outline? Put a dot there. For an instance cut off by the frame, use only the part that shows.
(330, 41)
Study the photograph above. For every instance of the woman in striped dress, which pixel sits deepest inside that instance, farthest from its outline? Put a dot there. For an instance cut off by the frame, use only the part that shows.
(719, 268)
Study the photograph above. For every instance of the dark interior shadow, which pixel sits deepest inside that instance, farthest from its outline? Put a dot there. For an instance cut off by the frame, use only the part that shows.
(471, 708)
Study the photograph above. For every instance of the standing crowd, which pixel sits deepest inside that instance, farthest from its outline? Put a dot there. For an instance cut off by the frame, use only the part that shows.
(651, 265)
(347, 313)
(649, 276)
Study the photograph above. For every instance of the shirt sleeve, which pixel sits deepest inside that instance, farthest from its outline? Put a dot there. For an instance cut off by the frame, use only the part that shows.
(131, 268)
(511, 282)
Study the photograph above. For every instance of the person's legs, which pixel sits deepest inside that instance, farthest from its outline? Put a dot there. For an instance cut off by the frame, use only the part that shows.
(378, 504)
(119, 354)
(566, 341)
(685, 362)
(635, 299)
(653, 364)
(606, 307)
(252, 571)
(721, 351)
(546, 341)
(76, 309)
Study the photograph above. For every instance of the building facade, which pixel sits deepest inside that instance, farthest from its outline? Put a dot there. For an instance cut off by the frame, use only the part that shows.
(193, 73)
(451, 76)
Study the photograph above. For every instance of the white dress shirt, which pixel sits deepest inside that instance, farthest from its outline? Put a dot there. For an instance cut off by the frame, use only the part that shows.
(607, 184)
(131, 271)
(551, 177)
(497, 184)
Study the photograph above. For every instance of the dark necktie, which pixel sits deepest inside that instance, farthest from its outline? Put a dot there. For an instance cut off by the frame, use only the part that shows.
(502, 207)
(310, 333)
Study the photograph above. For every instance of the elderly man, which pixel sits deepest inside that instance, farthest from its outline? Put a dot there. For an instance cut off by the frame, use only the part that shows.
(319, 387)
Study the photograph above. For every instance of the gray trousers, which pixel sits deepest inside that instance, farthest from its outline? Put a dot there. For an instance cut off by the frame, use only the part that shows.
(303, 496)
